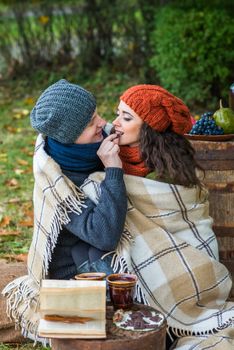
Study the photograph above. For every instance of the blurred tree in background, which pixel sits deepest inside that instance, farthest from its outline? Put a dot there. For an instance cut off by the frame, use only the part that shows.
(187, 47)
(201, 63)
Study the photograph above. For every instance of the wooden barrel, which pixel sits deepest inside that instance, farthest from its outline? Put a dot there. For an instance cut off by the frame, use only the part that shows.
(217, 159)
(117, 339)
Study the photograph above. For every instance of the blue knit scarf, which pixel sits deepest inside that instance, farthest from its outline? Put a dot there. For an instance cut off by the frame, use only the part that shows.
(74, 157)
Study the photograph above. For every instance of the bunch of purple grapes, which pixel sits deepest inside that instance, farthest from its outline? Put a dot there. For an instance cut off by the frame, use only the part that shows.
(206, 126)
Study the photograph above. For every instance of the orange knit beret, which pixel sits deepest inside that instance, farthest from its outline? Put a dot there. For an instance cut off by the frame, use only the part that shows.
(158, 108)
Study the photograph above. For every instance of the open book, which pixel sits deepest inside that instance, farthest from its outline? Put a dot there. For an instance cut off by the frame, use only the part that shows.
(72, 309)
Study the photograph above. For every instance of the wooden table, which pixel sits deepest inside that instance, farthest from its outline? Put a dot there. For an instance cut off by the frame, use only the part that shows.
(117, 339)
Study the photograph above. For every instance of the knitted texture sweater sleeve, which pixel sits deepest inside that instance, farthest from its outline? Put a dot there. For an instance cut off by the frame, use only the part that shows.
(101, 225)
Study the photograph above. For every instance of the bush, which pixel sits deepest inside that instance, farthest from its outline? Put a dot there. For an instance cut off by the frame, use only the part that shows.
(193, 52)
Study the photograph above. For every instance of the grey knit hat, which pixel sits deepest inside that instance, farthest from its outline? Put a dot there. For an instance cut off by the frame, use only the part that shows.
(63, 111)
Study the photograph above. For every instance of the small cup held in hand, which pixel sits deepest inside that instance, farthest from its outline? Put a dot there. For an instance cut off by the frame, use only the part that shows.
(122, 289)
(91, 276)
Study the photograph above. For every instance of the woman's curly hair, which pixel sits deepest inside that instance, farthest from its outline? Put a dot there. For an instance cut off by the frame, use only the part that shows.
(170, 155)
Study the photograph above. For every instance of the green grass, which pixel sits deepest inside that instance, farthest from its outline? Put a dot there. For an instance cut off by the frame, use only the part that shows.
(16, 179)
(28, 346)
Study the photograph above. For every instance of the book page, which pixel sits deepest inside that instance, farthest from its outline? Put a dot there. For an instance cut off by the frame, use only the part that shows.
(73, 298)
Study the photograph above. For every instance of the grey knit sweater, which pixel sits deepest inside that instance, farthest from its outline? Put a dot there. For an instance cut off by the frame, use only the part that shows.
(98, 225)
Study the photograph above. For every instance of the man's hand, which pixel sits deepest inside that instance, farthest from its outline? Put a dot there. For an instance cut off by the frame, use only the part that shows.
(108, 152)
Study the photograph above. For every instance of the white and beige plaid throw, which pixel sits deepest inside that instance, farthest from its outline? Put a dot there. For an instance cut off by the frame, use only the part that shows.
(223, 340)
(54, 197)
(175, 254)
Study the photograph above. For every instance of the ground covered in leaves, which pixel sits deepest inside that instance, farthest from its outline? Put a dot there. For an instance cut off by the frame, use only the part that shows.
(16, 181)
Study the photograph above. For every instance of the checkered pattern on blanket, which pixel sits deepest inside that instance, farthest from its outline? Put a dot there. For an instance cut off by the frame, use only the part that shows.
(175, 254)
(223, 340)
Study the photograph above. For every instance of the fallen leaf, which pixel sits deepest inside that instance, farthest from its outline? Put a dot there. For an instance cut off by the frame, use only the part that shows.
(27, 152)
(12, 183)
(29, 100)
(14, 200)
(20, 113)
(27, 206)
(22, 257)
(28, 170)
(24, 150)
(16, 110)
(43, 19)
(29, 213)
(18, 257)
(3, 155)
(5, 221)
(4, 232)
(25, 112)
(10, 128)
(17, 116)
(26, 223)
(22, 162)
(19, 171)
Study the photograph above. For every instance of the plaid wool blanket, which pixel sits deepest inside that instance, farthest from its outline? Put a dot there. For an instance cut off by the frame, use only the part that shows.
(175, 254)
(173, 242)
(54, 197)
(223, 340)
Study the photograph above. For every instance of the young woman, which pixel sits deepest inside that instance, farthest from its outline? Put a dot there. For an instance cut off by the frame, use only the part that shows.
(71, 233)
(152, 123)
(174, 250)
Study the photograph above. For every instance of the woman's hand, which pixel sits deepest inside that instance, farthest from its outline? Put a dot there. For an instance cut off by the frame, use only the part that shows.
(108, 152)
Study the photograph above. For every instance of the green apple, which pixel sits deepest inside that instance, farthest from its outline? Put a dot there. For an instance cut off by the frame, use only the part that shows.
(224, 117)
